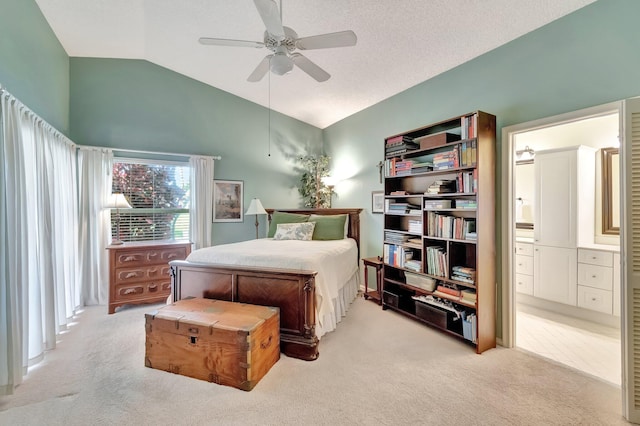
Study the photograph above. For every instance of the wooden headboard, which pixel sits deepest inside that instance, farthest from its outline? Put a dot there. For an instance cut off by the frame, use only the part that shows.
(354, 219)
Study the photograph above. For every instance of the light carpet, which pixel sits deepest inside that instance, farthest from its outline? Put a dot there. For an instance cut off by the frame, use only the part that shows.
(376, 368)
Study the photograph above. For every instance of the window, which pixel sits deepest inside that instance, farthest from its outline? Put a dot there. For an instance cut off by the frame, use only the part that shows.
(158, 193)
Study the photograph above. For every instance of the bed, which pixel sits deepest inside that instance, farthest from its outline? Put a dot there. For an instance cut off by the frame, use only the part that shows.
(312, 282)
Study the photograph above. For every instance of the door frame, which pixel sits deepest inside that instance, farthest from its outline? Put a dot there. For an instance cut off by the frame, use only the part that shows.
(508, 299)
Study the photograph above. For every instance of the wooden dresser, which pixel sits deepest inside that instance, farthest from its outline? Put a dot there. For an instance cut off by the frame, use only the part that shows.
(139, 272)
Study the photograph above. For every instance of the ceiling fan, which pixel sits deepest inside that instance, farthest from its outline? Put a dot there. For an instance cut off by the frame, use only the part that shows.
(283, 42)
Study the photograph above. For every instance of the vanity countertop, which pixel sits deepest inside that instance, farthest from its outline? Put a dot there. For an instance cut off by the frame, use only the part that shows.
(603, 247)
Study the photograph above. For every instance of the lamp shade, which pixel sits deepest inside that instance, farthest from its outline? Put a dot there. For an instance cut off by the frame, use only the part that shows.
(255, 207)
(118, 201)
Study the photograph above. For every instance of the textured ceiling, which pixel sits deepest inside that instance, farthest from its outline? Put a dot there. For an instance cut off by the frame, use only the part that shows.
(400, 43)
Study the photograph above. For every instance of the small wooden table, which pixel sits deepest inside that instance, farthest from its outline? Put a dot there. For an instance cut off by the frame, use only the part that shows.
(376, 295)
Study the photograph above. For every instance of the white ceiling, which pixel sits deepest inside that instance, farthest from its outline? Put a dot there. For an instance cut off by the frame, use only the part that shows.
(400, 43)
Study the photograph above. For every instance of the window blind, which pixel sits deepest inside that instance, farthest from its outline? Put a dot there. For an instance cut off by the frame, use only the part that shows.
(159, 196)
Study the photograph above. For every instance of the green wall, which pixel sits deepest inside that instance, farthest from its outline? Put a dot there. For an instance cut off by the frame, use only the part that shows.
(587, 58)
(33, 65)
(134, 104)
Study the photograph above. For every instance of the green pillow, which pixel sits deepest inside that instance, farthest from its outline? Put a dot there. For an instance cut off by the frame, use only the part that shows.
(282, 217)
(329, 227)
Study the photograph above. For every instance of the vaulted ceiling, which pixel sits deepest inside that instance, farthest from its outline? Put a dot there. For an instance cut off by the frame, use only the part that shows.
(401, 43)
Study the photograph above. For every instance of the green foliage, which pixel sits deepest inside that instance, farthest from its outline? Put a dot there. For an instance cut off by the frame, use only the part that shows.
(314, 192)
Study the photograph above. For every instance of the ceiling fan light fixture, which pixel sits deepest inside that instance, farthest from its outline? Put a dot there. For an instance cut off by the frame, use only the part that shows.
(281, 64)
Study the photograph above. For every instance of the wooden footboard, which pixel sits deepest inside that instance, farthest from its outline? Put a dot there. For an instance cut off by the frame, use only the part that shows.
(291, 291)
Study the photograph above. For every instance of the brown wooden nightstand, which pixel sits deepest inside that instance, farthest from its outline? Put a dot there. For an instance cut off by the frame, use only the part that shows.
(376, 295)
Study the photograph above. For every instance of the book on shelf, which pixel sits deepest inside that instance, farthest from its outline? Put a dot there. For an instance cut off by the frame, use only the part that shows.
(463, 274)
(447, 226)
(436, 261)
(398, 193)
(468, 295)
(448, 290)
(466, 204)
(437, 204)
(400, 256)
(442, 186)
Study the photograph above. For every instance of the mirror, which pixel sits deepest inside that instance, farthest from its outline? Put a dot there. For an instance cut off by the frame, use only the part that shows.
(610, 191)
(525, 193)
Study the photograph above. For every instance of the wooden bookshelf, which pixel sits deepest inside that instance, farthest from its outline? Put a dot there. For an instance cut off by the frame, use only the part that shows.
(453, 245)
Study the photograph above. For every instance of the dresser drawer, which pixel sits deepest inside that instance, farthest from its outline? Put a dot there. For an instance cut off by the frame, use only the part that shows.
(140, 272)
(595, 257)
(150, 256)
(133, 291)
(524, 249)
(524, 284)
(595, 276)
(524, 264)
(595, 299)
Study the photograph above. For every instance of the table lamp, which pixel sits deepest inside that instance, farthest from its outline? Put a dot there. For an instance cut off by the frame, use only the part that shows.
(255, 208)
(117, 201)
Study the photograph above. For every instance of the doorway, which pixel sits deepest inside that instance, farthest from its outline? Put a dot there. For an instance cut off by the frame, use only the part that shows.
(563, 331)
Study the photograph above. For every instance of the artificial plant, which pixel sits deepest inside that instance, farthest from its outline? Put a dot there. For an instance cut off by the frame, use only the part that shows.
(314, 192)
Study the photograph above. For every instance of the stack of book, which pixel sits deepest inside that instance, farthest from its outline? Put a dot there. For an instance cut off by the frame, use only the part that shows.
(396, 237)
(413, 265)
(446, 160)
(464, 274)
(422, 167)
(399, 145)
(415, 226)
(447, 292)
(469, 295)
(403, 167)
(442, 186)
(466, 204)
(395, 207)
(437, 204)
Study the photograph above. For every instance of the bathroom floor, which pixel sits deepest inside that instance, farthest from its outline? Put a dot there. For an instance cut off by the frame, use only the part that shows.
(592, 348)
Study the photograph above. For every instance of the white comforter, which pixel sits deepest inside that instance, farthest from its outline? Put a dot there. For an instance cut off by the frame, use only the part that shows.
(335, 261)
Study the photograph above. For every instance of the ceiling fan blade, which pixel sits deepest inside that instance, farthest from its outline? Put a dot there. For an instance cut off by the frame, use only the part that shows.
(268, 10)
(324, 41)
(310, 68)
(260, 70)
(229, 42)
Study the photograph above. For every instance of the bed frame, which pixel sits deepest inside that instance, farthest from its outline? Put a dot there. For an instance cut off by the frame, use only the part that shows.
(293, 291)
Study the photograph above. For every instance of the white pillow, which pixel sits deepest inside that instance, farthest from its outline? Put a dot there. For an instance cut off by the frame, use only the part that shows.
(295, 231)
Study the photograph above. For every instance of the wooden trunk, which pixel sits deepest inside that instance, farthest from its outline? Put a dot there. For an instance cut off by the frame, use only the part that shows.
(228, 343)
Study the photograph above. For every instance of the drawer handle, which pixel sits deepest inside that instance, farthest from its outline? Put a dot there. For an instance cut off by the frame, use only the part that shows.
(131, 275)
(594, 276)
(129, 259)
(153, 271)
(593, 257)
(153, 287)
(519, 264)
(593, 299)
(171, 256)
(128, 290)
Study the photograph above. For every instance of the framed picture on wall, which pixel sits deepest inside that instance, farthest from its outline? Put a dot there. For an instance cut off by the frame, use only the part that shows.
(227, 201)
(377, 202)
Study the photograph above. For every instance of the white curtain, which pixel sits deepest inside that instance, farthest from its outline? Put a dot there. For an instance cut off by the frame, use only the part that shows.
(201, 213)
(94, 170)
(38, 250)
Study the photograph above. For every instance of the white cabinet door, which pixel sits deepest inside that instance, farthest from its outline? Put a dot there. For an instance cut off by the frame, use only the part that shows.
(555, 274)
(556, 199)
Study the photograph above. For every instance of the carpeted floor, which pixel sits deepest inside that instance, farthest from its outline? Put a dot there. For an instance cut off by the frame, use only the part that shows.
(377, 368)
